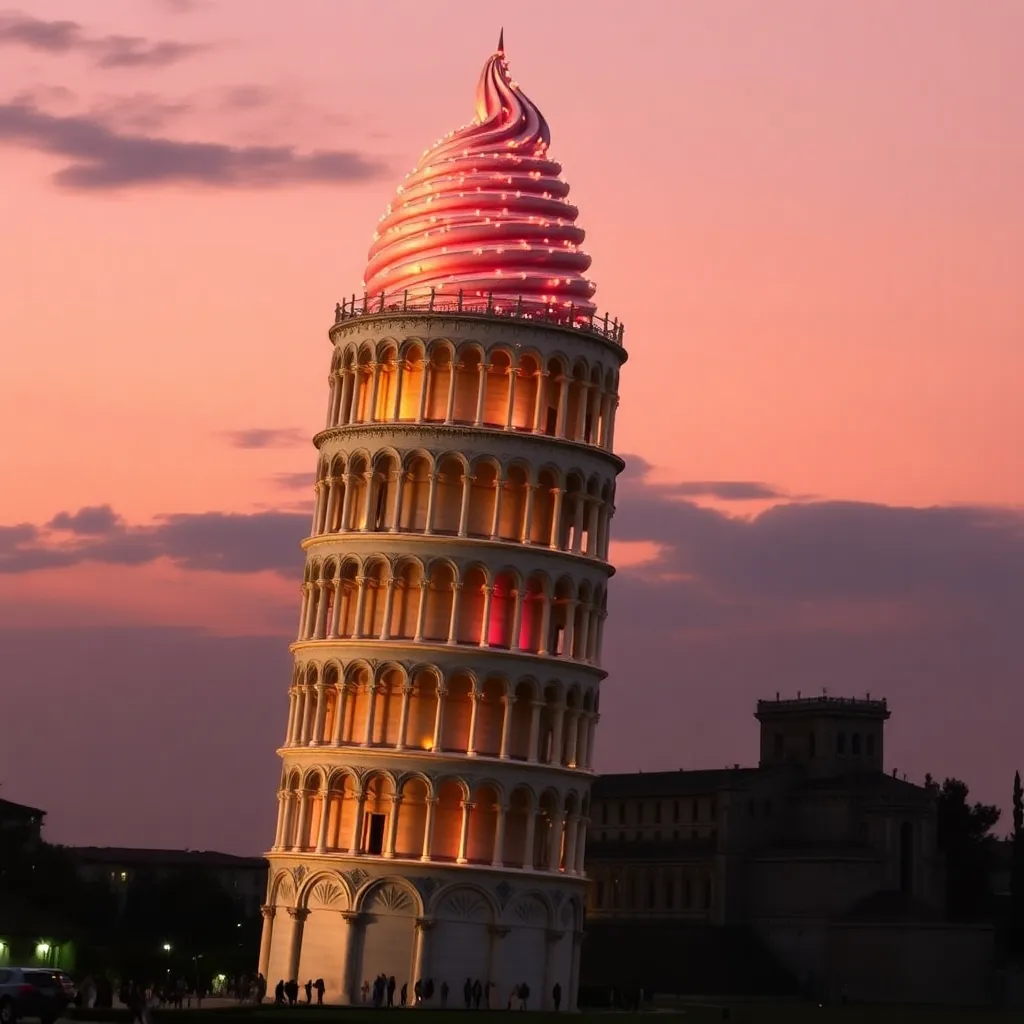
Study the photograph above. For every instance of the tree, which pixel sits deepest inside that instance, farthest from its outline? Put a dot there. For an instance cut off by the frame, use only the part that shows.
(964, 839)
(1017, 865)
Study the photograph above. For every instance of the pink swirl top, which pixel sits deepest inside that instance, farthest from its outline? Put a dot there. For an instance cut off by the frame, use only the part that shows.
(485, 212)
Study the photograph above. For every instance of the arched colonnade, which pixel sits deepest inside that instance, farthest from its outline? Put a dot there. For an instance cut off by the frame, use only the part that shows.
(444, 820)
(497, 387)
(449, 495)
(440, 601)
(424, 710)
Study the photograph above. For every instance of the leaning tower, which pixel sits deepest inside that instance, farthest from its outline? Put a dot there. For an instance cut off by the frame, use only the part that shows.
(433, 802)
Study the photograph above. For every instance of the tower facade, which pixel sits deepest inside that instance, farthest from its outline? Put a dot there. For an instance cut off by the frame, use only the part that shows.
(437, 761)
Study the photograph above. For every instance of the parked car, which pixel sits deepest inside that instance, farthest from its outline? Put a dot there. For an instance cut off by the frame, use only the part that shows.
(38, 992)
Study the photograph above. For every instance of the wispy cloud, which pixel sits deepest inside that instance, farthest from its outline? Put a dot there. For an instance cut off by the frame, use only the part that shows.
(263, 437)
(108, 51)
(103, 158)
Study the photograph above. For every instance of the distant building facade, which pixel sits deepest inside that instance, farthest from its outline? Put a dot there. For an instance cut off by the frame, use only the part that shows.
(21, 821)
(818, 851)
(242, 878)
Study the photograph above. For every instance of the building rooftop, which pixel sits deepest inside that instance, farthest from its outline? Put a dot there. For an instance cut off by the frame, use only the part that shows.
(682, 782)
(9, 809)
(126, 856)
(823, 704)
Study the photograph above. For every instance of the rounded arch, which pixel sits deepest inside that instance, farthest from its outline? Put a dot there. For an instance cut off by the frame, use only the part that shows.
(364, 898)
(324, 888)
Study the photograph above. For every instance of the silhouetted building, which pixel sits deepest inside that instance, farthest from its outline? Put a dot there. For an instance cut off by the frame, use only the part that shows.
(242, 878)
(817, 863)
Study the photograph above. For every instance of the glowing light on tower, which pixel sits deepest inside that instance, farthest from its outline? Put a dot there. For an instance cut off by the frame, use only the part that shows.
(438, 755)
(486, 211)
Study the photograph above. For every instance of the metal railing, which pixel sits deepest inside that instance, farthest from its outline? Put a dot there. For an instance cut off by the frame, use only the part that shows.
(402, 302)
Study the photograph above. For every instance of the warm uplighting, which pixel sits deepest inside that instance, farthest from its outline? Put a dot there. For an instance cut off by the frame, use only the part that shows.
(42, 949)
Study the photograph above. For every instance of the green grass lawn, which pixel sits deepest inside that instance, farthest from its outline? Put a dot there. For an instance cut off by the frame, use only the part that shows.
(698, 1013)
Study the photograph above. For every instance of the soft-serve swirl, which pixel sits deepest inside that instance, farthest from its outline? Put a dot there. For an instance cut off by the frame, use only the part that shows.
(485, 212)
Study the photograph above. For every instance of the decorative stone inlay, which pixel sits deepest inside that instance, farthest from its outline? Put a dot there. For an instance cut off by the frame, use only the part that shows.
(504, 893)
(326, 893)
(299, 873)
(529, 909)
(426, 886)
(355, 877)
(392, 897)
(462, 903)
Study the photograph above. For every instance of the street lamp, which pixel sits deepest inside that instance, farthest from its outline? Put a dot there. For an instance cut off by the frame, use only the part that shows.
(167, 950)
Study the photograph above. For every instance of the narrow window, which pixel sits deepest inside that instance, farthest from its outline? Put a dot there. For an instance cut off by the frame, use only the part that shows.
(640, 813)
(855, 744)
(675, 811)
(695, 810)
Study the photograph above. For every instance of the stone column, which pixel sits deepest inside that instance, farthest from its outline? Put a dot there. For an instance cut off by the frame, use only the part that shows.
(581, 752)
(266, 938)
(517, 621)
(452, 378)
(573, 738)
(485, 625)
(396, 520)
(346, 398)
(497, 860)
(282, 816)
(439, 718)
(349, 970)
(339, 716)
(531, 754)
(421, 414)
(506, 724)
(396, 407)
(499, 487)
(389, 600)
(556, 734)
(374, 389)
(428, 829)
(293, 703)
(371, 694)
(320, 629)
(545, 625)
(474, 713)
(453, 618)
(556, 518)
(357, 824)
(332, 629)
(530, 839)
(552, 937)
(421, 612)
(563, 405)
(481, 393)
(317, 738)
(431, 500)
(298, 916)
(591, 729)
(538, 404)
(467, 809)
(403, 718)
(592, 529)
(555, 848)
(369, 477)
(346, 503)
(572, 829)
(497, 933)
(577, 524)
(357, 625)
(421, 954)
(325, 815)
(524, 534)
(392, 836)
(512, 375)
(467, 487)
(302, 832)
(303, 610)
(581, 411)
(584, 632)
(570, 627)
(307, 715)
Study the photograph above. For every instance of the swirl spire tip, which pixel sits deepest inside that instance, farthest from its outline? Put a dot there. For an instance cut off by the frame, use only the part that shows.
(501, 41)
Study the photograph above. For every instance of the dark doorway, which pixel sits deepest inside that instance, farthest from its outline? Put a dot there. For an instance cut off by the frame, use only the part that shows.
(375, 833)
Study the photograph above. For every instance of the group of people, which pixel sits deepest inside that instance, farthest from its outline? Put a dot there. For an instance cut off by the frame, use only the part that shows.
(381, 993)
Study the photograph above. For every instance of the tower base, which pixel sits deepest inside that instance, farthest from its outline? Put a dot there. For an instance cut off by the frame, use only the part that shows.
(349, 919)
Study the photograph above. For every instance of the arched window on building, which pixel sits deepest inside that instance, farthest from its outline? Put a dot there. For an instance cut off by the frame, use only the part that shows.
(855, 744)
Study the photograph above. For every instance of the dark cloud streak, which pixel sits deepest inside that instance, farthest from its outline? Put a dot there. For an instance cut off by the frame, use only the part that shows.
(103, 158)
(267, 437)
(111, 51)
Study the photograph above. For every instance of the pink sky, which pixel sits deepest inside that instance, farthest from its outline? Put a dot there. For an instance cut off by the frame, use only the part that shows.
(809, 216)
